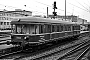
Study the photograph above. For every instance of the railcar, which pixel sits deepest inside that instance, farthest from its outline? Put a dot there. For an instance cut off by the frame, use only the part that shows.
(36, 30)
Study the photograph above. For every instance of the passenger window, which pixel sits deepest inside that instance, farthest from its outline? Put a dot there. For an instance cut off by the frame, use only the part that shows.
(46, 29)
(69, 28)
(41, 28)
(62, 28)
(7, 23)
(4, 23)
(57, 28)
(1, 23)
(53, 28)
(49, 29)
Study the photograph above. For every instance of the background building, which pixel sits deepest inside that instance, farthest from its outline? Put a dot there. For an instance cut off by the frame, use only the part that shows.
(5, 17)
(71, 18)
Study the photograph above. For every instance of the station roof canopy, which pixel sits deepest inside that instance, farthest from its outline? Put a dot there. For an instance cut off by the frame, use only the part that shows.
(30, 19)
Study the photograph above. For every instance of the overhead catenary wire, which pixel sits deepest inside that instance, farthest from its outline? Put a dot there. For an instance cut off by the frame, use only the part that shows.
(35, 10)
(51, 6)
(77, 7)
(88, 1)
(61, 9)
(38, 11)
(20, 8)
(87, 10)
(46, 5)
(82, 6)
(87, 4)
(69, 3)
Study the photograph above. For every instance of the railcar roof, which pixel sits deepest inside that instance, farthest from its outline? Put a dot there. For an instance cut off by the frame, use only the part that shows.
(27, 20)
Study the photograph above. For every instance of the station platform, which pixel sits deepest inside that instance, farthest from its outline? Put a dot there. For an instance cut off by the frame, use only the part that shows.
(4, 46)
(5, 31)
(5, 38)
(84, 31)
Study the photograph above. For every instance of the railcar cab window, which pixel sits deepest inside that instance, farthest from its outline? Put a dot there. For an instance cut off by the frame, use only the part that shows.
(26, 29)
(13, 30)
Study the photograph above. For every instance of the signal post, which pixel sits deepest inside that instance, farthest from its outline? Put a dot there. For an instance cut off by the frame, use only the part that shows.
(54, 7)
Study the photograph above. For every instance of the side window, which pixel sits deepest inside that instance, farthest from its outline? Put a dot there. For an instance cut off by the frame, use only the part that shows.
(42, 29)
(52, 28)
(49, 29)
(75, 27)
(1, 23)
(62, 28)
(45, 28)
(78, 27)
(69, 28)
(7, 23)
(4, 23)
(65, 27)
(57, 28)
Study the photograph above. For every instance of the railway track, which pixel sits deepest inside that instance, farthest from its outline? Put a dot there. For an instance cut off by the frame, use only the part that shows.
(43, 53)
(72, 49)
(81, 49)
(78, 55)
(4, 35)
(33, 55)
(9, 51)
(82, 54)
(4, 41)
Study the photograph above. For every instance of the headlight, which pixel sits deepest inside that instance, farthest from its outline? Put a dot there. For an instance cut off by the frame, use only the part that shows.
(25, 37)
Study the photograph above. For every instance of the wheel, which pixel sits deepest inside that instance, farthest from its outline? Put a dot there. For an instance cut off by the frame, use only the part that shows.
(8, 43)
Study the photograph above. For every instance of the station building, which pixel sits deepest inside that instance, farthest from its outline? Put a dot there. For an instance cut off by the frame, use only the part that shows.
(5, 17)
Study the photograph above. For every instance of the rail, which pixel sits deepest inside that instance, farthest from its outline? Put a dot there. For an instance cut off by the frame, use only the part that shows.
(32, 55)
(72, 51)
(77, 47)
(82, 54)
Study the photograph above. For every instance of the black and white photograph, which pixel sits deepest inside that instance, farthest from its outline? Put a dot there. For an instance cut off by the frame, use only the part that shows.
(44, 29)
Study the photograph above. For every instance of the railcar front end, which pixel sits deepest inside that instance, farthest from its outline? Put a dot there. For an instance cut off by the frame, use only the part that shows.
(22, 40)
(24, 34)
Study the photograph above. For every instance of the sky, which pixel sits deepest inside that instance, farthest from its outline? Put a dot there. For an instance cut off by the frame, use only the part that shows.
(79, 8)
